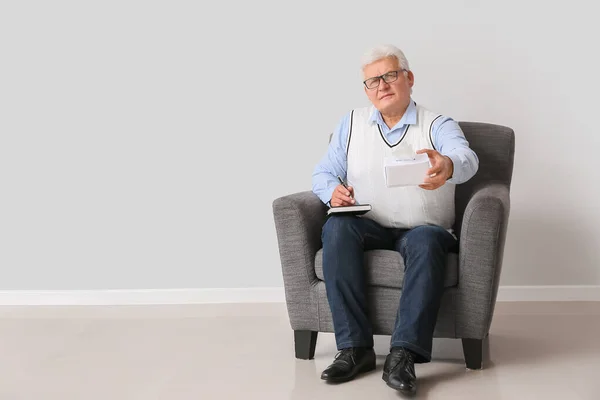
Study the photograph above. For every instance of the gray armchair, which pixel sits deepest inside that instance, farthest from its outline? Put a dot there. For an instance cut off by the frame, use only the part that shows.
(471, 284)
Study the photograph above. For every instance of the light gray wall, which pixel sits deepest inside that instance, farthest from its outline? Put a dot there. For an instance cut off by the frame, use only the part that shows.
(142, 143)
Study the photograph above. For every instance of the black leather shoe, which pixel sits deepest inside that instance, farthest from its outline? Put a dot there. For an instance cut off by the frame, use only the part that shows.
(348, 363)
(399, 370)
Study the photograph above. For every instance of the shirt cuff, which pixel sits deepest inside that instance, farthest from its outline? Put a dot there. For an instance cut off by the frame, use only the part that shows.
(327, 195)
(456, 164)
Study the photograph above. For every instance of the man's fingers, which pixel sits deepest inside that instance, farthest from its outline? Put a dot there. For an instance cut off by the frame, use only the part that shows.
(436, 169)
(337, 202)
(428, 151)
(342, 199)
(430, 186)
(341, 203)
(343, 191)
(342, 196)
(434, 156)
(436, 179)
(432, 182)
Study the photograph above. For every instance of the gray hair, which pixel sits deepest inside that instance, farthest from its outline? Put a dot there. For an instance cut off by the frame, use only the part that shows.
(383, 51)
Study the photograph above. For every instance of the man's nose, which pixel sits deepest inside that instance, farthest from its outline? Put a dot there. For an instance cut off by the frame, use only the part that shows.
(383, 84)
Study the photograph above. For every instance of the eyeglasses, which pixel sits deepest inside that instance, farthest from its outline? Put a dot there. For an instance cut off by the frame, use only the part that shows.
(388, 77)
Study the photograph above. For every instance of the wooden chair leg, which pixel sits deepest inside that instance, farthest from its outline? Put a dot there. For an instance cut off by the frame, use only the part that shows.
(305, 343)
(473, 351)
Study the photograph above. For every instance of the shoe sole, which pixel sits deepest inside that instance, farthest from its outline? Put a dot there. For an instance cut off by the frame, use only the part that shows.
(386, 379)
(354, 374)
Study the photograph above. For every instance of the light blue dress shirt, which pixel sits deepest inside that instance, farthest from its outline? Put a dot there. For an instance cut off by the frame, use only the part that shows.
(447, 137)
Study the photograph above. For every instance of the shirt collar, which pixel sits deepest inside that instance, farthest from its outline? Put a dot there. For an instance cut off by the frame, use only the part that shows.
(409, 117)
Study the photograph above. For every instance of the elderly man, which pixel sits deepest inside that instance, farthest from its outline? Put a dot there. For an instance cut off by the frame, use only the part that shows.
(416, 221)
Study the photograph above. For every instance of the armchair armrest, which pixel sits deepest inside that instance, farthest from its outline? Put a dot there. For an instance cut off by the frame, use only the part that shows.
(482, 239)
(299, 218)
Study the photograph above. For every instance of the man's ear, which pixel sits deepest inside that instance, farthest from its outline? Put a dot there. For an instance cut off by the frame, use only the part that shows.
(411, 78)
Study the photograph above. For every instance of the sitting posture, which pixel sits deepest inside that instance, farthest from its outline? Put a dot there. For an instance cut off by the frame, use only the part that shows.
(415, 220)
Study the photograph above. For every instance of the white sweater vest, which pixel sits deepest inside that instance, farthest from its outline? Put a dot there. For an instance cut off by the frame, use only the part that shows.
(396, 207)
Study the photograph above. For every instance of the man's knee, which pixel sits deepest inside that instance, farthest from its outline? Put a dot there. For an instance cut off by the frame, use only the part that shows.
(339, 226)
(429, 232)
(427, 238)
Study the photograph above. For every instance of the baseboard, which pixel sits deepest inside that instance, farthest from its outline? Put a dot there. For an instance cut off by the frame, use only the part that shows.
(549, 293)
(248, 295)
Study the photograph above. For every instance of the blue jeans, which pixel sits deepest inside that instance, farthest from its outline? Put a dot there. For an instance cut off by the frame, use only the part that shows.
(424, 250)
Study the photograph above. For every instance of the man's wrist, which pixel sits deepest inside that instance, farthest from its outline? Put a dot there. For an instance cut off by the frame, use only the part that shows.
(451, 168)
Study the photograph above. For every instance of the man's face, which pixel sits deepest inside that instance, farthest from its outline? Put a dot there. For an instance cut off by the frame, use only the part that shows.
(390, 97)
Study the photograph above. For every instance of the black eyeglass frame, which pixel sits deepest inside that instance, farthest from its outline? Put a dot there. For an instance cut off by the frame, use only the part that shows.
(380, 77)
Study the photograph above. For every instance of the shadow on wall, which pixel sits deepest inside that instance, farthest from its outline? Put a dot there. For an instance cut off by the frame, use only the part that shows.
(550, 250)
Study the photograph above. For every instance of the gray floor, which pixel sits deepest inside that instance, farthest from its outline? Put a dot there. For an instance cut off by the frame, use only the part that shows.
(537, 351)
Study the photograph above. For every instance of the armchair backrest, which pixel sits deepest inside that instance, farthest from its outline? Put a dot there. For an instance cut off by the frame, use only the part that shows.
(495, 148)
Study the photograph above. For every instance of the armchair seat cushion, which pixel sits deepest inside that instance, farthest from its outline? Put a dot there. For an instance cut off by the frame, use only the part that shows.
(385, 268)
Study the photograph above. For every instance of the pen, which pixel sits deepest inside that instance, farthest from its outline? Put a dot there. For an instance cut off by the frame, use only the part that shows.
(343, 184)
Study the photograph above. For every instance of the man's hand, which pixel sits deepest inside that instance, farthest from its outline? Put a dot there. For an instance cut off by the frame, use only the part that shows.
(342, 196)
(441, 169)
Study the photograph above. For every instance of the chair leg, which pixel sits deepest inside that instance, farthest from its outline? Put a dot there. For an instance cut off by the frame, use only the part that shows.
(473, 351)
(305, 343)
